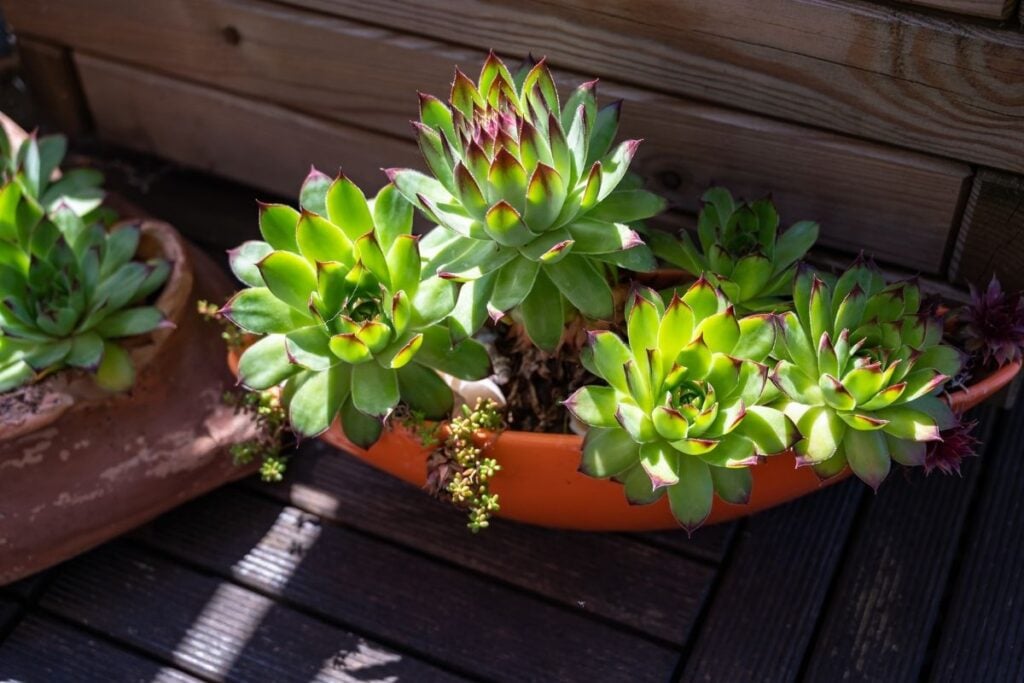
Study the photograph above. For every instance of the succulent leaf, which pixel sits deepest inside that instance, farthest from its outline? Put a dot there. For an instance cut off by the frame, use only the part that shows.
(608, 452)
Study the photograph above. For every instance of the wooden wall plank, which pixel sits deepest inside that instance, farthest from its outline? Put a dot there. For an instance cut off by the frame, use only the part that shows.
(885, 602)
(44, 649)
(862, 68)
(763, 614)
(260, 144)
(582, 571)
(427, 607)
(991, 237)
(982, 636)
(987, 9)
(899, 205)
(52, 80)
(212, 628)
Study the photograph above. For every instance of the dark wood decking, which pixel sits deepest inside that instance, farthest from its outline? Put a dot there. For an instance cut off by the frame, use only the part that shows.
(344, 574)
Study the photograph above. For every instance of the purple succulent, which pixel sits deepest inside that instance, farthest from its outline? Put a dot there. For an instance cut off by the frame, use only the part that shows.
(994, 324)
(957, 443)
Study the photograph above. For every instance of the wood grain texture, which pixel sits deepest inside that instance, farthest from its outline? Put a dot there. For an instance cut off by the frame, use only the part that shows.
(988, 9)
(260, 144)
(900, 205)
(583, 571)
(431, 608)
(763, 615)
(212, 628)
(43, 649)
(862, 68)
(885, 602)
(54, 85)
(710, 543)
(982, 635)
(991, 237)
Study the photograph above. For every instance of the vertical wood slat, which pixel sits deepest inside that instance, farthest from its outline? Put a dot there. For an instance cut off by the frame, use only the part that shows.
(53, 82)
(991, 236)
(898, 205)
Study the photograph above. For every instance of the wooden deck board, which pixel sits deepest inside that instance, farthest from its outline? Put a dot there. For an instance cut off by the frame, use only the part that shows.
(10, 613)
(710, 544)
(886, 600)
(764, 610)
(391, 594)
(982, 635)
(213, 628)
(583, 571)
(44, 649)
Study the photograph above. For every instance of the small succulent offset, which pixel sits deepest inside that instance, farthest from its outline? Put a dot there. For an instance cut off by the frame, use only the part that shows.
(993, 324)
(684, 410)
(534, 199)
(860, 370)
(348, 325)
(69, 287)
(741, 250)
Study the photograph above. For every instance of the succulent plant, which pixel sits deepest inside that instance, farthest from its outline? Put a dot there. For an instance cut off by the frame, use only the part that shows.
(31, 168)
(68, 291)
(534, 199)
(993, 324)
(348, 325)
(684, 409)
(741, 250)
(958, 442)
(859, 370)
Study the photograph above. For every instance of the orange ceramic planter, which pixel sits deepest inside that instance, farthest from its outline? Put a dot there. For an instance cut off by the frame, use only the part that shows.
(539, 482)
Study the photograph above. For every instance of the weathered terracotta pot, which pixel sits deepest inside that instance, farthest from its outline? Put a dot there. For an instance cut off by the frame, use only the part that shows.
(79, 466)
